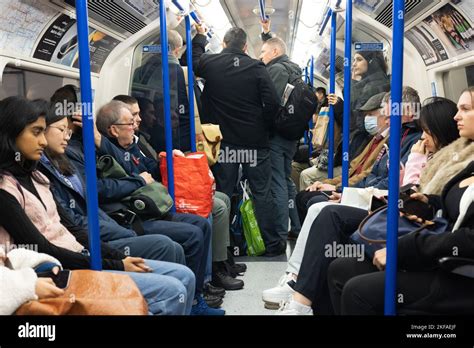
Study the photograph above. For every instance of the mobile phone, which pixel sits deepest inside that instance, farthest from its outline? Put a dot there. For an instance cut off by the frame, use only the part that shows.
(415, 207)
(328, 194)
(61, 279)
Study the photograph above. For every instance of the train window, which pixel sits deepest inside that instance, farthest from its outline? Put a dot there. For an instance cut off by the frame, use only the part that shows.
(30, 84)
(147, 87)
(457, 80)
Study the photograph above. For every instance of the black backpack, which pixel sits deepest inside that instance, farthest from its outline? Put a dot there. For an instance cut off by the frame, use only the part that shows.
(292, 119)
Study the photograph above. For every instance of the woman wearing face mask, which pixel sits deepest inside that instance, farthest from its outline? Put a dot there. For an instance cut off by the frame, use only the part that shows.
(334, 223)
(372, 69)
(439, 130)
(357, 288)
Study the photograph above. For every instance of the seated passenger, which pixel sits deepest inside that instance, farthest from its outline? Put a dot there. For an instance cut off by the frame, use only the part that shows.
(335, 223)
(25, 194)
(377, 126)
(357, 288)
(372, 69)
(68, 188)
(378, 176)
(115, 136)
(20, 283)
(221, 274)
(439, 131)
(318, 170)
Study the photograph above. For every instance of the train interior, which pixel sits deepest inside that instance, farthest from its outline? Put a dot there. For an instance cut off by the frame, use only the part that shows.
(39, 54)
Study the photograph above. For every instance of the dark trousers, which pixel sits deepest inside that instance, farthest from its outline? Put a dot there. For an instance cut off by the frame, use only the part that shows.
(334, 224)
(357, 288)
(257, 169)
(193, 233)
(306, 199)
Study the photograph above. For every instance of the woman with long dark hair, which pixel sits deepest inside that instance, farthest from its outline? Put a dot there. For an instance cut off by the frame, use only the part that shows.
(25, 195)
(357, 288)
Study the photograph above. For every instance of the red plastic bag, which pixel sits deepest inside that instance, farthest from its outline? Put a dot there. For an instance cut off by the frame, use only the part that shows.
(194, 183)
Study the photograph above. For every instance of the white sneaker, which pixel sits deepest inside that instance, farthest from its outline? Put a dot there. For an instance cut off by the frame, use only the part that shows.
(294, 308)
(282, 292)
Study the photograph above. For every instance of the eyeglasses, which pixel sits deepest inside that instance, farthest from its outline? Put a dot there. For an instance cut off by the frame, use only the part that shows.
(124, 124)
(66, 131)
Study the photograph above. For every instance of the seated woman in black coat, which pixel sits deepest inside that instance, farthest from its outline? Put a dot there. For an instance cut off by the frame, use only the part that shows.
(357, 288)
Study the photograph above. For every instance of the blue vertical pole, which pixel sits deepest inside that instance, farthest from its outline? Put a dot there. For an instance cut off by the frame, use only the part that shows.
(88, 134)
(306, 80)
(394, 170)
(262, 10)
(332, 90)
(166, 100)
(311, 124)
(347, 95)
(189, 59)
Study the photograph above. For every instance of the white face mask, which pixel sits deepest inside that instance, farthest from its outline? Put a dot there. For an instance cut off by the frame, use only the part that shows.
(371, 124)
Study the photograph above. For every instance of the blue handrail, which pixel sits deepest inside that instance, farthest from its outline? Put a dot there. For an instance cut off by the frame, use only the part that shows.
(262, 10)
(311, 123)
(347, 95)
(166, 100)
(195, 17)
(306, 80)
(332, 90)
(88, 134)
(189, 52)
(394, 170)
(325, 22)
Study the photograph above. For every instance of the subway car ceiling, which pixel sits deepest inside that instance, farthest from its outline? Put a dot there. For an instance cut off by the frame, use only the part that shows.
(39, 36)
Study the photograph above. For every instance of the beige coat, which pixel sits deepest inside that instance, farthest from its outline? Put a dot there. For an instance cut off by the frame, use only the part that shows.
(445, 165)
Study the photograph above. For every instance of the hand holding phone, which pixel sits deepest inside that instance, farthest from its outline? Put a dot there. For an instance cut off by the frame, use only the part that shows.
(61, 279)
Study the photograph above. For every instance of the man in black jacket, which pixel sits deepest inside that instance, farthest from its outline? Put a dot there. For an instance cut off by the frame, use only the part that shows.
(240, 97)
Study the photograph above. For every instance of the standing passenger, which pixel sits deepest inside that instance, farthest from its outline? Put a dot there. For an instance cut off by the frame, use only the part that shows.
(282, 71)
(240, 97)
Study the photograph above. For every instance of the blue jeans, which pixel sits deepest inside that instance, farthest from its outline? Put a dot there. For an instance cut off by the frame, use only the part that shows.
(193, 233)
(283, 189)
(151, 247)
(168, 290)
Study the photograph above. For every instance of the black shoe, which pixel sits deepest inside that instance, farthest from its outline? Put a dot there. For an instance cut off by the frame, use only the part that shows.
(292, 235)
(225, 281)
(239, 267)
(280, 250)
(213, 301)
(214, 290)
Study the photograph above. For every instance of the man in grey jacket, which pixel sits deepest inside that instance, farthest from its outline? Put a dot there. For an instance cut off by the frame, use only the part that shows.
(282, 71)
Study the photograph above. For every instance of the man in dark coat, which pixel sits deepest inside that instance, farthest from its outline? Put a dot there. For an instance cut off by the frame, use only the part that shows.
(240, 97)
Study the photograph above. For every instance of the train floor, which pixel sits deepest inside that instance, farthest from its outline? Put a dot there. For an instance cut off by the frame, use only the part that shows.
(262, 273)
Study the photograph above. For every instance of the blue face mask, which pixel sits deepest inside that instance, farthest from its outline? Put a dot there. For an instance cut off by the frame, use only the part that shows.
(371, 125)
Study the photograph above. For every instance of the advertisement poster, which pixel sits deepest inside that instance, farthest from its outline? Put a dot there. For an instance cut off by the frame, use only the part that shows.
(49, 43)
(443, 35)
(429, 47)
(59, 45)
(466, 7)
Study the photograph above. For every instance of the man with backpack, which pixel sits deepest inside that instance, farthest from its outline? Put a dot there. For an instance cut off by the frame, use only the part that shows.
(298, 104)
(240, 97)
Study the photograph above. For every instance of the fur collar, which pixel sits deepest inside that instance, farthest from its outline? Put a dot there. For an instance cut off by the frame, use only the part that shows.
(445, 164)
